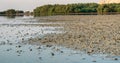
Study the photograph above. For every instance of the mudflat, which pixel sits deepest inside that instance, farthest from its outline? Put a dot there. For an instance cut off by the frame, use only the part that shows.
(90, 33)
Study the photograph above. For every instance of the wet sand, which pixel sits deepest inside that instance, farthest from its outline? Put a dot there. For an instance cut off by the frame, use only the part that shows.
(89, 33)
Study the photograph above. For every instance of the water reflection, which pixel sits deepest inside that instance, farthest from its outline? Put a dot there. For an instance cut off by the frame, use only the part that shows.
(14, 49)
(12, 16)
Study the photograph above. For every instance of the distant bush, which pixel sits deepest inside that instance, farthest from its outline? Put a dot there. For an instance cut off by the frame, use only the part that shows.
(11, 12)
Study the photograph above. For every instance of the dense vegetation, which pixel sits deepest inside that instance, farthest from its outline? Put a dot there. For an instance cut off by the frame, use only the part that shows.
(76, 9)
(11, 12)
(108, 8)
(65, 9)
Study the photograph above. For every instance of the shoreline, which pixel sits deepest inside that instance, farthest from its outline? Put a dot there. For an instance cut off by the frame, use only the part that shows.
(90, 33)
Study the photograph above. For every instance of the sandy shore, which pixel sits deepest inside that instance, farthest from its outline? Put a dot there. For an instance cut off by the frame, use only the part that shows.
(90, 33)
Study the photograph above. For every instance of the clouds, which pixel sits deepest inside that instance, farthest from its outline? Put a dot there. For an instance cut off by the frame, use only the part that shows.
(31, 4)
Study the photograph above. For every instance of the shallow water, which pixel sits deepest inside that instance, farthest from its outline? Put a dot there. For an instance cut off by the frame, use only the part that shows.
(13, 49)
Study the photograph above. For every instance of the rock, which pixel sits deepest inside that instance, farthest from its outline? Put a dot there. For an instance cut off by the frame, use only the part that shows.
(39, 47)
(90, 51)
(52, 54)
(115, 59)
(83, 58)
(10, 43)
(94, 61)
(19, 46)
(8, 49)
(48, 45)
(30, 49)
(61, 51)
(40, 58)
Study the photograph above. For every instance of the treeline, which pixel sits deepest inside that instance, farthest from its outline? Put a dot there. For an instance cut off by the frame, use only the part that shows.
(12, 12)
(109, 8)
(76, 9)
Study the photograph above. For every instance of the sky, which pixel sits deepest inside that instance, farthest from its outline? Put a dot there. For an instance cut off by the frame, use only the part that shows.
(29, 5)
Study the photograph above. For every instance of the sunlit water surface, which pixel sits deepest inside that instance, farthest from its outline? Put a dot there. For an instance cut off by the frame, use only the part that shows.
(13, 31)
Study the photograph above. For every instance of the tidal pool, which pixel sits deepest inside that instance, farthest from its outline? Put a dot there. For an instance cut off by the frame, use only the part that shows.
(13, 48)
